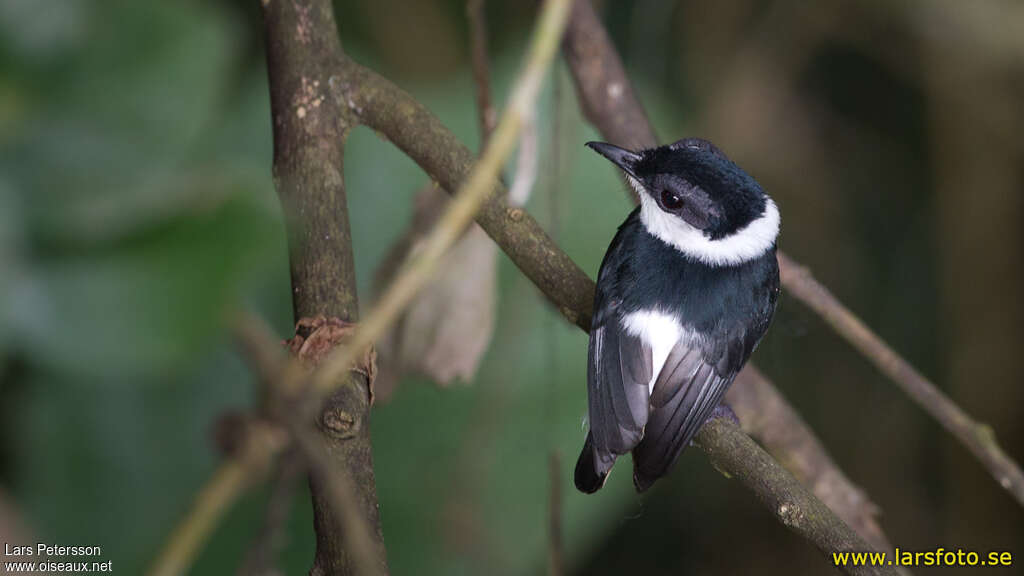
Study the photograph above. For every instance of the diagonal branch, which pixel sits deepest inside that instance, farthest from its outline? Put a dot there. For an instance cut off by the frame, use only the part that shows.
(766, 415)
(386, 108)
(736, 455)
(605, 93)
(259, 445)
(977, 437)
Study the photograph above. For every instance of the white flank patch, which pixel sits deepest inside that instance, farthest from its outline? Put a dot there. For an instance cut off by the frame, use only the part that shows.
(659, 331)
(747, 243)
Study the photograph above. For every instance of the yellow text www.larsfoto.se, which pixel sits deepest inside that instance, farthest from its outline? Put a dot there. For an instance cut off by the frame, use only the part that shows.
(937, 557)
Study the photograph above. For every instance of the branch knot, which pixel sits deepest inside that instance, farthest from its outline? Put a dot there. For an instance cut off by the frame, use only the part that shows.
(315, 338)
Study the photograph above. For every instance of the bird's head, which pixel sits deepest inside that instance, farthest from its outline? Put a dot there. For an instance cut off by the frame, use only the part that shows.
(693, 197)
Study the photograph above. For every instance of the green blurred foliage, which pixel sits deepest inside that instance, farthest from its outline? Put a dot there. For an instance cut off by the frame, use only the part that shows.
(138, 213)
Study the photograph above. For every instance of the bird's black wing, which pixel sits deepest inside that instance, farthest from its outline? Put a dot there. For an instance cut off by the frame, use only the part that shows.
(618, 376)
(619, 373)
(692, 382)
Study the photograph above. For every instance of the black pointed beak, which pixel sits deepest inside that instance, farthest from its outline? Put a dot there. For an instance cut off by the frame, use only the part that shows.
(621, 157)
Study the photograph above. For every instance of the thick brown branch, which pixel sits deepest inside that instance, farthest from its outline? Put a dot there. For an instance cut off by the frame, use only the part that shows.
(303, 52)
(734, 454)
(606, 94)
(393, 113)
(977, 437)
(768, 417)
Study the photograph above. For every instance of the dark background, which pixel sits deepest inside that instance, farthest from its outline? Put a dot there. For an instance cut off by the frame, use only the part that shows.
(137, 211)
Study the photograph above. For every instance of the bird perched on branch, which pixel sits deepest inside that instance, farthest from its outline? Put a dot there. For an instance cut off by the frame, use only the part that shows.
(685, 293)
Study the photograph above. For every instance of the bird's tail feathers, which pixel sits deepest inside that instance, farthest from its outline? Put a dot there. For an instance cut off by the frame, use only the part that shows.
(590, 476)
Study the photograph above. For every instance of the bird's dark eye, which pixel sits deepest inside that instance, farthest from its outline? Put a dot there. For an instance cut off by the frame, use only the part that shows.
(670, 200)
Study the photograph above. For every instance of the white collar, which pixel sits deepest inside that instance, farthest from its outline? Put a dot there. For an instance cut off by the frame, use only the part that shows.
(746, 244)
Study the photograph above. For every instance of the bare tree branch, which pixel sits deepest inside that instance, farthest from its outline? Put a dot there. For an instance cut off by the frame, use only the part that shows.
(303, 53)
(975, 436)
(416, 131)
(358, 550)
(605, 92)
(736, 455)
(767, 416)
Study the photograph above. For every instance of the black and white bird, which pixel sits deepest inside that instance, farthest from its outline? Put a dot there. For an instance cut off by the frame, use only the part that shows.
(685, 293)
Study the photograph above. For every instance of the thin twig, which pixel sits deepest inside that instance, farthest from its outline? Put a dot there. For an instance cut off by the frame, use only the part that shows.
(261, 557)
(235, 474)
(977, 437)
(279, 375)
(215, 498)
(267, 360)
(466, 203)
(481, 68)
(263, 353)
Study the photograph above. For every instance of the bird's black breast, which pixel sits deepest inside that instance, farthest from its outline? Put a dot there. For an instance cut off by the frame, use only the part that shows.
(641, 272)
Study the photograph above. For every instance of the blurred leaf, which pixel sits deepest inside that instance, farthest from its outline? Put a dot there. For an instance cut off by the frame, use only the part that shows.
(445, 331)
(144, 305)
(110, 126)
(143, 212)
